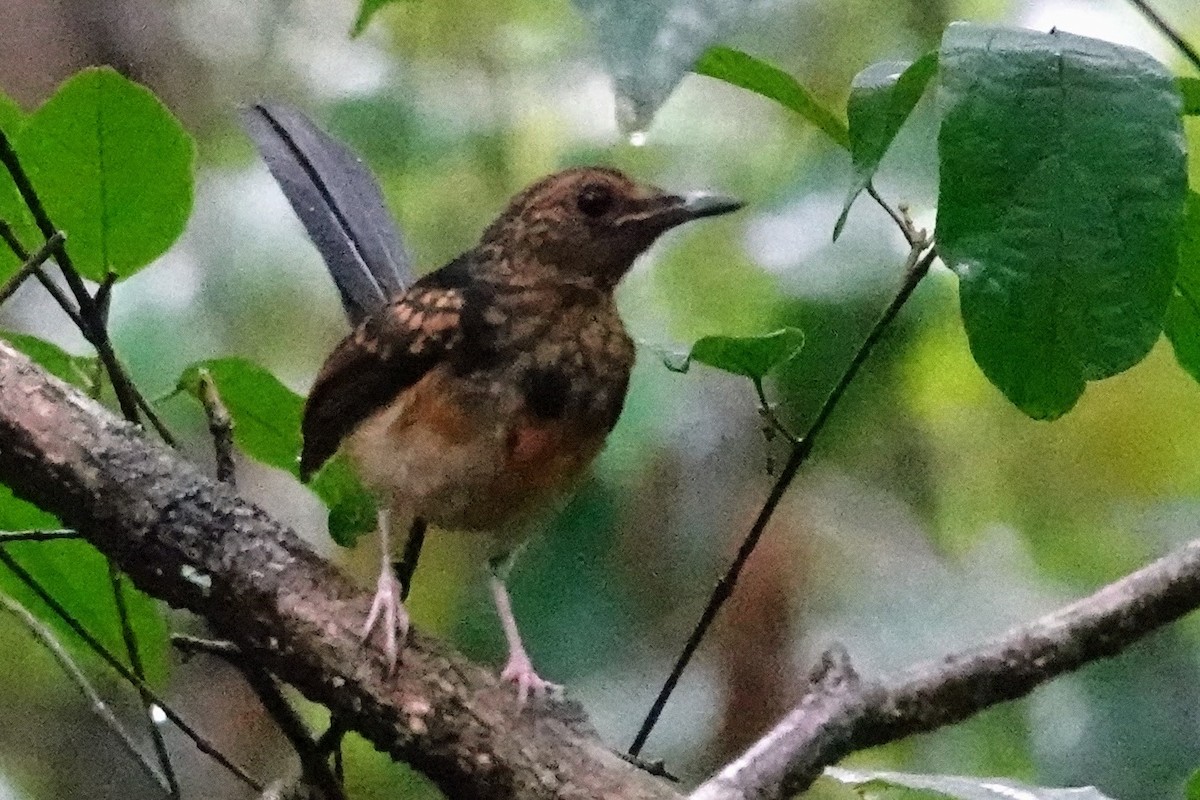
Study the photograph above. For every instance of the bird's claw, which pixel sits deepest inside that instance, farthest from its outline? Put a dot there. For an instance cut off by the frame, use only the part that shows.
(388, 609)
(519, 670)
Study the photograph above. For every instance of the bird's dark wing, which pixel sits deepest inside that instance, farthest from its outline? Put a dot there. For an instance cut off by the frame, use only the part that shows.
(340, 204)
(387, 353)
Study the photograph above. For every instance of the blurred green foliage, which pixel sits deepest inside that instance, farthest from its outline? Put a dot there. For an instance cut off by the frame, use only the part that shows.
(934, 514)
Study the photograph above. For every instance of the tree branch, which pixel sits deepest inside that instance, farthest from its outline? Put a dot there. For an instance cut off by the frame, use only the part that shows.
(841, 714)
(195, 544)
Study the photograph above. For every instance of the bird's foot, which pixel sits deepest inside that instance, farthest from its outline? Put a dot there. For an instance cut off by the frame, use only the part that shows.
(519, 671)
(388, 610)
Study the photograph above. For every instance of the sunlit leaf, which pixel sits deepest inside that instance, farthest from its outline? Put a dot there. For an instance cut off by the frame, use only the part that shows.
(746, 71)
(1189, 89)
(1062, 181)
(649, 45)
(751, 356)
(79, 371)
(1193, 786)
(266, 426)
(113, 168)
(881, 98)
(879, 784)
(76, 575)
(1182, 323)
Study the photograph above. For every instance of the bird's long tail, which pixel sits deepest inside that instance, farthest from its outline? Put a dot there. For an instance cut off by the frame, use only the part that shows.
(340, 204)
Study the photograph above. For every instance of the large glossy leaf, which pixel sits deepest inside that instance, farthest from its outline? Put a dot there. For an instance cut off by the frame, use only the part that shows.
(881, 98)
(266, 426)
(76, 575)
(113, 168)
(746, 71)
(649, 45)
(1182, 323)
(1062, 183)
(873, 784)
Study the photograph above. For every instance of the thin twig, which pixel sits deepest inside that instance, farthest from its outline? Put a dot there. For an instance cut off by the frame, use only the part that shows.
(220, 425)
(768, 413)
(1166, 30)
(313, 764)
(46, 637)
(135, 660)
(407, 565)
(18, 249)
(920, 257)
(913, 236)
(91, 327)
(202, 744)
(32, 264)
(37, 536)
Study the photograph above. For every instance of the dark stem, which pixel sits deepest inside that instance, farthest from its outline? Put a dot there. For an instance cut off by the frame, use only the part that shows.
(407, 565)
(32, 264)
(916, 268)
(139, 669)
(220, 425)
(202, 744)
(92, 327)
(64, 302)
(1166, 30)
(315, 768)
(36, 536)
(47, 639)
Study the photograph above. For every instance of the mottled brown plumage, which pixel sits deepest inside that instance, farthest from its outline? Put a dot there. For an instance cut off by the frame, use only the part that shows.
(486, 389)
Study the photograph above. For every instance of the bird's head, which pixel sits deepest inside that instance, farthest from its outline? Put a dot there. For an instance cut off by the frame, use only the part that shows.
(591, 223)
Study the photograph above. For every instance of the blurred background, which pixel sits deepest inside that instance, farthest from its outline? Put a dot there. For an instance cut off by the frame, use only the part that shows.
(933, 515)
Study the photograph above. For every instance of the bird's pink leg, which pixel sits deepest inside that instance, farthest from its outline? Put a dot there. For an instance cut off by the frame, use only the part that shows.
(387, 608)
(519, 669)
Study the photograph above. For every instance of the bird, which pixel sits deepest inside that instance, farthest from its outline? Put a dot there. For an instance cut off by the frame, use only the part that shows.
(476, 396)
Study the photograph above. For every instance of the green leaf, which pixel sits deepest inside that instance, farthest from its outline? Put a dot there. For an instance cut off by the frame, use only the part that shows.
(113, 168)
(874, 784)
(79, 371)
(266, 426)
(881, 98)
(12, 208)
(76, 575)
(351, 507)
(1193, 786)
(1182, 323)
(1062, 182)
(366, 11)
(751, 356)
(746, 71)
(266, 414)
(1189, 89)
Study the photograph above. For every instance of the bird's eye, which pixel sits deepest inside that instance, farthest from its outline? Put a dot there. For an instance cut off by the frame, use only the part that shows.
(595, 199)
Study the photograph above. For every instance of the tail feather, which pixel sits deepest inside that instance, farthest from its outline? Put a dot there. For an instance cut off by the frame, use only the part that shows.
(340, 204)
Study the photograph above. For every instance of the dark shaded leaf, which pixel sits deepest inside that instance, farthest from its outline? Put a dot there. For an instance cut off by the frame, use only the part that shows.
(1062, 182)
(746, 71)
(881, 98)
(1182, 323)
(113, 168)
(880, 784)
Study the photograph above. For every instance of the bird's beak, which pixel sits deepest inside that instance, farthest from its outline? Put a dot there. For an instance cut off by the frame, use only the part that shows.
(704, 204)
